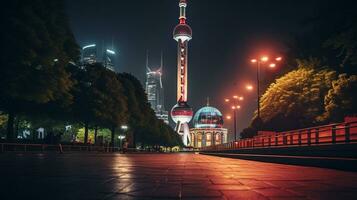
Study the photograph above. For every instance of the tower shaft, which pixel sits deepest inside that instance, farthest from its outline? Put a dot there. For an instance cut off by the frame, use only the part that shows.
(182, 70)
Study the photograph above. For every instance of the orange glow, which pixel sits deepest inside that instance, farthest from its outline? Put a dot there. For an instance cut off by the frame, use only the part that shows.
(272, 65)
(264, 58)
(253, 60)
(241, 98)
(238, 106)
(226, 100)
(235, 96)
(233, 107)
(278, 58)
(249, 87)
(228, 117)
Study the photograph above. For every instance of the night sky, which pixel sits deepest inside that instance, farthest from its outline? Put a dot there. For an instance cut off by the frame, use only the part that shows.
(226, 34)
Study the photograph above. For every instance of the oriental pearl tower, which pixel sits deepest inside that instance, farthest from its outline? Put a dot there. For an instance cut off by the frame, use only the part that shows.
(182, 113)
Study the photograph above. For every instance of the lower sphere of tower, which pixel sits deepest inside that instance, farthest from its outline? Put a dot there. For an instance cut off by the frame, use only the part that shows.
(181, 112)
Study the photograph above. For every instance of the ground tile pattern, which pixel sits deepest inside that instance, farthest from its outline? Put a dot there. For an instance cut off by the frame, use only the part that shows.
(165, 176)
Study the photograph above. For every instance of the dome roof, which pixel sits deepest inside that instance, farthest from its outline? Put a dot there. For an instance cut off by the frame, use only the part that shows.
(182, 30)
(208, 117)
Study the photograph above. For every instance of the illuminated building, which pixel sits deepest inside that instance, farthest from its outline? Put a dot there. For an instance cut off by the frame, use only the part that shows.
(108, 59)
(155, 91)
(89, 54)
(182, 113)
(208, 128)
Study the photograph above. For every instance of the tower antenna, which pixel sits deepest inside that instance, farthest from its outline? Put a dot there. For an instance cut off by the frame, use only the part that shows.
(147, 61)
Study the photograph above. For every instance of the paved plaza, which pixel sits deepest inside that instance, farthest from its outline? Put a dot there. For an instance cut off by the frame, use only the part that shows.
(165, 176)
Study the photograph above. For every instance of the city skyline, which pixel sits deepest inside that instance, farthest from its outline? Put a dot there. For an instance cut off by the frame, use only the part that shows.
(218, 57)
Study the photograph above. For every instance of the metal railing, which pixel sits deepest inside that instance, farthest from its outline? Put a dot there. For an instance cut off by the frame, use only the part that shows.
(18, 147)
(338, 133)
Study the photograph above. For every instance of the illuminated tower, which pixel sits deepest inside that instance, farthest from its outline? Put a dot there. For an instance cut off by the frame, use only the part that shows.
(182, 113)
(155, 90)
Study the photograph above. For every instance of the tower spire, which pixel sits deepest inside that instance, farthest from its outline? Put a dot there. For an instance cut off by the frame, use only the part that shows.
(161, 62)
(207, 99)
(147, 62)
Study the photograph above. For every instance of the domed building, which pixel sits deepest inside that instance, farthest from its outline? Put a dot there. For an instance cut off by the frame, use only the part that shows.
(208, 128)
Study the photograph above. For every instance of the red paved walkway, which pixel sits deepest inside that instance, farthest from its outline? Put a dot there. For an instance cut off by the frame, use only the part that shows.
(166, 176)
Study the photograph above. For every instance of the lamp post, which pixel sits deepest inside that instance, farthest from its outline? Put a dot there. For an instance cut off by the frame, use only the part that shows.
(259, 62)
(121, 137)
(234, 108)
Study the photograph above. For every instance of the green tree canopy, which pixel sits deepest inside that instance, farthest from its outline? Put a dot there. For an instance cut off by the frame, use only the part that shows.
(39, 45)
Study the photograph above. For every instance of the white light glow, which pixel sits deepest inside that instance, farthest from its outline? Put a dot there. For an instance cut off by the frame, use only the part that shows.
(88, 46)
(110, 51)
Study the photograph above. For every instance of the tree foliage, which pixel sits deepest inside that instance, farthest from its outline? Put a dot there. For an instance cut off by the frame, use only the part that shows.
(42, 81)
(307, 96)
(340, 100)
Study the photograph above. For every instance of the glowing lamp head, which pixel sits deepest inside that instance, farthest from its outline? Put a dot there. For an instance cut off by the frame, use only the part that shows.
(228, 117)
(249, 87)
(253, 60)
(272, 65)
(278, 58)
(264, 58)
(181, 112)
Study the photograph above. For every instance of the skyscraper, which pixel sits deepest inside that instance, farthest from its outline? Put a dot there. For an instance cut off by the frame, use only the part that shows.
(109, 59)
(155, 90)
(89, 54)
(182, 113)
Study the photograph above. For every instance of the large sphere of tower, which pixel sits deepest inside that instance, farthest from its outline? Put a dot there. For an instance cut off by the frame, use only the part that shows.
(182, 32)
(181, 112)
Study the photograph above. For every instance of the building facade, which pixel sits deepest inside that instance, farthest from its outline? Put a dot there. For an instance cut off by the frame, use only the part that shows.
(109, 59)
(89, 54)
(208, 128)
(155, 91)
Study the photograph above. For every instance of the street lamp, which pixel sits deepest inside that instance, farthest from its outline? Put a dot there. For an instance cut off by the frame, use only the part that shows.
(124, 127)
(121, 137)
(249, 87)
(259, 62)
(234, 108)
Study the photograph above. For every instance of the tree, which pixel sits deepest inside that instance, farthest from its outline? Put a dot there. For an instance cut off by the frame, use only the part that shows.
(329, 35)
(341, 99)
(39, 45)
(99, 99)
(297, 98)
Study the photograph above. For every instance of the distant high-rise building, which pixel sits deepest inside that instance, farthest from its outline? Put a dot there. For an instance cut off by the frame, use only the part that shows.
(89, 54)
(155, 91)
(109, 59)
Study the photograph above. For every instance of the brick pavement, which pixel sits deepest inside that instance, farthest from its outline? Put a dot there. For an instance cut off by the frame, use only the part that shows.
(165, 176)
